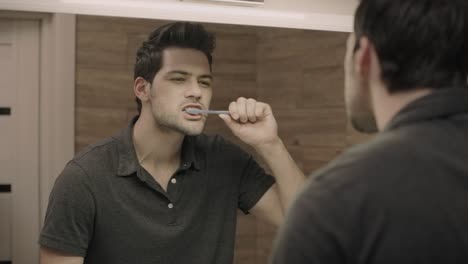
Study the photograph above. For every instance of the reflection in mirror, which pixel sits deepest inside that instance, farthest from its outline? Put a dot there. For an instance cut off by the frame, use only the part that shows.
(298, 72)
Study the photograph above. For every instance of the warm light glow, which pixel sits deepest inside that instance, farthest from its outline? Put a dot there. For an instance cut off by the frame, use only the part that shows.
(274, 13)
(186, 7)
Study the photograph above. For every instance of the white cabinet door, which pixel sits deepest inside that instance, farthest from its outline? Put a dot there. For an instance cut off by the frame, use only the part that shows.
(19, 140)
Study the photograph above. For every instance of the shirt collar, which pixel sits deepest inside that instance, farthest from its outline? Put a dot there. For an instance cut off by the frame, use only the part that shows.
(190, 154)
(438, 104)
(128, 161)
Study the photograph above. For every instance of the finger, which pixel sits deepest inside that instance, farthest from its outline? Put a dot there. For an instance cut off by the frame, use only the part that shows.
(259, 111)
(233, 111)
(242, 110)
(231, 123)
(250, 109)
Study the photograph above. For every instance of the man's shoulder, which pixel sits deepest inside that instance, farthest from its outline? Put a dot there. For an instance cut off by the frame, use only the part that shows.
(80, 170)
(96, 150)
(386, 156)
(98, 155)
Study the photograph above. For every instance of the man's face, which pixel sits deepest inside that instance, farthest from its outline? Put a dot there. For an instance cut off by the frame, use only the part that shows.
(357, 93)
(184, 80)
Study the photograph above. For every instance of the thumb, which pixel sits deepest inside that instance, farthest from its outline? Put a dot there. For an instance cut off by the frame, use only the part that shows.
(231, 123)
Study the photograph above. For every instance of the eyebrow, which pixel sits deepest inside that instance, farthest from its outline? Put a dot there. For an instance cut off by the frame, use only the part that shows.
(208, 76)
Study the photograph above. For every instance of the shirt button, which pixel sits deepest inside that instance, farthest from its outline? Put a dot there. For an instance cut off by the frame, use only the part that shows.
(170, 206)
(173, 180)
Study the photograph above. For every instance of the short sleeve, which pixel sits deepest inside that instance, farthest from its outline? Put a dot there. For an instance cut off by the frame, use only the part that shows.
(255, 182)
(68, 225)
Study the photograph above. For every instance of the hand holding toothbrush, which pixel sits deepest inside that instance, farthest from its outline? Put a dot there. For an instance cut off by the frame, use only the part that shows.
(251, 121)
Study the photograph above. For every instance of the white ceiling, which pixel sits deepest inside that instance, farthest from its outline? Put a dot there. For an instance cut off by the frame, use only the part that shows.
(341, 7)
(334, 15)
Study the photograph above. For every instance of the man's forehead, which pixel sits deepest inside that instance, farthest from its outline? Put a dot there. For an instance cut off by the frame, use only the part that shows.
(188, 73)
(183, 59)
(183, 54)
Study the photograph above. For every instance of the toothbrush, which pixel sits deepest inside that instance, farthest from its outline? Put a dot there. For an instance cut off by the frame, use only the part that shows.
(195, 111)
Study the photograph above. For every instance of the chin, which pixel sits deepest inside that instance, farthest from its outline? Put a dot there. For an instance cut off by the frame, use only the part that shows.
(192, 133)
(192, 130)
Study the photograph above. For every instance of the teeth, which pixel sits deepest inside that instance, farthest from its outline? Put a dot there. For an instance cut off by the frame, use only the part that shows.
(191, 107)
(192, 111)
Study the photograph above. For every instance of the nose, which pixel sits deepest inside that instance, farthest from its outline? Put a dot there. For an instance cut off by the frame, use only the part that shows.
(194, 90)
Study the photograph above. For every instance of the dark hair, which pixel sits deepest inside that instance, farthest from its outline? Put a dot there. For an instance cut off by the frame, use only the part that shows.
(420, 43)
(177, 34)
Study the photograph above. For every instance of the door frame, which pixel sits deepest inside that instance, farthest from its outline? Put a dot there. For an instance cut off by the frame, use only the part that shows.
(56, 96)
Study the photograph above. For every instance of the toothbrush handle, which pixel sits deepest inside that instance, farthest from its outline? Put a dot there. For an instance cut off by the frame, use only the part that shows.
(216, 112)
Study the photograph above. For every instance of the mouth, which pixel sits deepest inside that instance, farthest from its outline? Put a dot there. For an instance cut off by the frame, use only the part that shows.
(192, 116)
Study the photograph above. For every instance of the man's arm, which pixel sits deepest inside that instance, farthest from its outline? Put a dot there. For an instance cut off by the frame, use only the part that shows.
(289, 179)
(50, 256)
(253, 122)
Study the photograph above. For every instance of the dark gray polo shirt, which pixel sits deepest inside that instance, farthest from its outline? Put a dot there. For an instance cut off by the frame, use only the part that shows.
(106, 207)
(401, 198)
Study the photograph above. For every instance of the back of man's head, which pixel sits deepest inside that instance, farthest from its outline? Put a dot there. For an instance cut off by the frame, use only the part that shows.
(419, 43)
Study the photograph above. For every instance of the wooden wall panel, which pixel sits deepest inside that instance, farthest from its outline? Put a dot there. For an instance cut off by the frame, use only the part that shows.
(98, 122)
(101, 48)
(323, 87)
(323, 48)
(280, 70)
(234, 66)
(298, 72)
(280, 81)
(104, 87)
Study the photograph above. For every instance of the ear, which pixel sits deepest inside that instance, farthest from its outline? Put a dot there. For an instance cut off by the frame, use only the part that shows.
(363, 57)
(141, 88)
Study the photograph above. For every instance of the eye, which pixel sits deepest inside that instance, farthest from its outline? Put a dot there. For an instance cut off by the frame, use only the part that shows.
(178, 79)
(205, 83)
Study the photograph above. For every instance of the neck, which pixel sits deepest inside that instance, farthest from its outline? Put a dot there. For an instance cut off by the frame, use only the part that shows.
(386, 106)
(154, 145)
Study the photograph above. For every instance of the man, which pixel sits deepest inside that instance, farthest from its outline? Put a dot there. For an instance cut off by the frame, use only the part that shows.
(160, 192)
(403, 196)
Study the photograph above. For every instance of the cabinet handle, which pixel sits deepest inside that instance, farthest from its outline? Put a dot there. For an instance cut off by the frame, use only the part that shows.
(5, 111)
(5, 188)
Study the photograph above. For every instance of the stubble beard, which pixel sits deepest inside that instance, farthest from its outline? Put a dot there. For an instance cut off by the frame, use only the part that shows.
(170, 123)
